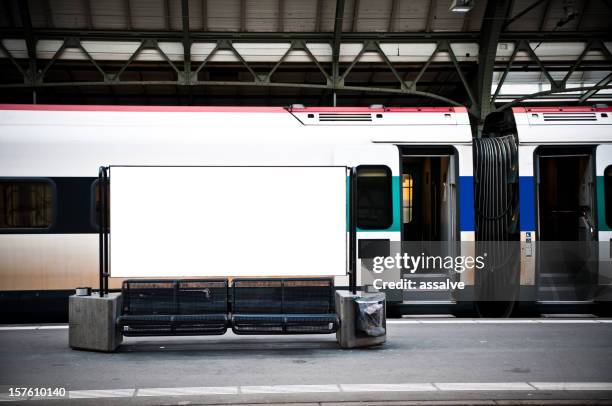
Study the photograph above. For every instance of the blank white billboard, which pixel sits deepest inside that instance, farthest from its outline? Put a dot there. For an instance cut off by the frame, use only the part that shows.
(227, 221)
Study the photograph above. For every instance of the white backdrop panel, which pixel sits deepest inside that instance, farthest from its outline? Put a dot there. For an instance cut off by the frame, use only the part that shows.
(227, 221)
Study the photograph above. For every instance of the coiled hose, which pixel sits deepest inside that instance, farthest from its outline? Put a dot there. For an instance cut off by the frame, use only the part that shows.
(497, 234)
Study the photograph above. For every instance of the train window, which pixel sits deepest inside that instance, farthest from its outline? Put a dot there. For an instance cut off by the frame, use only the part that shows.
(374, 197)
(608, 195)
(407, 190)
(26, 203)
(95, 212)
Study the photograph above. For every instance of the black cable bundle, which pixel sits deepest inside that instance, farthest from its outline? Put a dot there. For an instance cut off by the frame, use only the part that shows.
(497, 227)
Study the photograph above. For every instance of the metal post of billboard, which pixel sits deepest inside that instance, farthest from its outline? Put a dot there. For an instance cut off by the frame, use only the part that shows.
(353, 231)
(103, 187)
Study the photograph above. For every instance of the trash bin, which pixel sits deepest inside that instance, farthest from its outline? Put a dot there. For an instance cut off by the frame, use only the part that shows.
(370, 315)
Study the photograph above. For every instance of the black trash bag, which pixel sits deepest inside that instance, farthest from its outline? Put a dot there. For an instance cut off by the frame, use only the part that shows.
(371, 315)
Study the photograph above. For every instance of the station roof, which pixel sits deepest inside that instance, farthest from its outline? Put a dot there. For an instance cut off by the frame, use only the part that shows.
(410, 35)
(289, 16)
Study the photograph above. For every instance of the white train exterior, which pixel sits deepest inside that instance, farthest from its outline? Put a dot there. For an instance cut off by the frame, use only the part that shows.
(423, 148)
(555, 142)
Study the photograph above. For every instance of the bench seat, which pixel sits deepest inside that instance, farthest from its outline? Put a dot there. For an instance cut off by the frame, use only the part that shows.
(285, 323)
(174, 307)
(283, 306)
(186, 318)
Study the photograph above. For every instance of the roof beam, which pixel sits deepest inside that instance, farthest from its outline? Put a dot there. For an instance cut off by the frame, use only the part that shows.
(26, 26)
(392, 15)
(353, 37)
(495, 14)
(280, 23)
(338, 21)
(128, 13)
(355, 15)
(88, 15)
(545, 15)
(430, 15)
(466, 22)
(590, 93)
(204, 15)
(49, 14)
(523, 12)
(166, 14)
(242, 15)
(318, 15)
(585, 6)
(186, 41)
(9, 13)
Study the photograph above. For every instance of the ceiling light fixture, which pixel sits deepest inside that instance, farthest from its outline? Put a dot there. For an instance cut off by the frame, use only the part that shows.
(461, 6)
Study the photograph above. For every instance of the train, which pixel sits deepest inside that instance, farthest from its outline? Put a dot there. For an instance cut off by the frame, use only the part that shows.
(537, 174)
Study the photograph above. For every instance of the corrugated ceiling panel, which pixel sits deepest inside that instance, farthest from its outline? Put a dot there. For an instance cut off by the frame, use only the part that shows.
(328, 15)
(597, 17)
(37, 14)
(223, 15)
(300, 15)
(262, 15)
(174, 15)
(411, 16)
(531, 20)
(195, 15)
(349, 6)
(475, 16)
(374, 15)
(148, 14)
(446, 20)
(68, 14)
(578, 7)
(554, 15)
(109, 15)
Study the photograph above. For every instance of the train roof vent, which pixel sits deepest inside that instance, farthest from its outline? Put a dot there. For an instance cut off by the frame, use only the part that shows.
(570, 116)
(344, 117)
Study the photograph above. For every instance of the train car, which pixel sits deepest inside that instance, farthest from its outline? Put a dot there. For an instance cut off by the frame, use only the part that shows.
(420, 174)
(565, 165)
(414, 168)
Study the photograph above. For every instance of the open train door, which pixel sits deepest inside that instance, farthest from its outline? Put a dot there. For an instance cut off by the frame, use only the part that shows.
(429, 177)
(603, 157)
(567, 254)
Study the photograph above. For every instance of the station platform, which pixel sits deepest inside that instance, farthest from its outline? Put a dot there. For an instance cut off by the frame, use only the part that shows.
(425, 361)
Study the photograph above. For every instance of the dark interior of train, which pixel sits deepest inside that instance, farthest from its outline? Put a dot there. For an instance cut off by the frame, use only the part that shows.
(428, 210)
(428, 196)
(565, 195)
(567, 263)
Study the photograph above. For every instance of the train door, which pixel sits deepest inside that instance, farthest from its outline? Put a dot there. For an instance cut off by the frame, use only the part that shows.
(378, 212)
(429, 207)
(603, 157)
(566, 226)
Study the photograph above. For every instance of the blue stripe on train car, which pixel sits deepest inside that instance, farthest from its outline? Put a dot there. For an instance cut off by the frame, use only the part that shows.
(527, 203)
(466, 203)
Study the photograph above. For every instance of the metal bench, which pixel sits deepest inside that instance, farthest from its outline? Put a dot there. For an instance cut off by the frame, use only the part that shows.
(283, 306)
(174, 307)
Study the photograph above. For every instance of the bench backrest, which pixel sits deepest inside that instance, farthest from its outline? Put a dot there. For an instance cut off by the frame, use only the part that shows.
(308, 296)
(283, 296)
(170, 297)
(202, 297)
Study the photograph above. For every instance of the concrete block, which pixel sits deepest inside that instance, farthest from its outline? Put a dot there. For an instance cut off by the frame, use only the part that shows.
(92, 322)
(347, 335)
